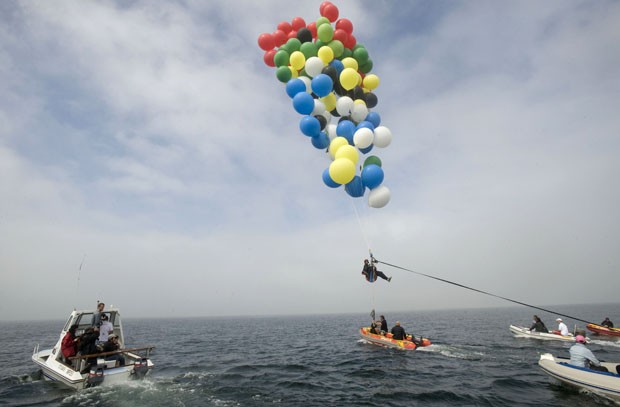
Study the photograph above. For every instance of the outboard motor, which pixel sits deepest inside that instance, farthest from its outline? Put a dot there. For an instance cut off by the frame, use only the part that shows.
(140, 368)
(95, 376)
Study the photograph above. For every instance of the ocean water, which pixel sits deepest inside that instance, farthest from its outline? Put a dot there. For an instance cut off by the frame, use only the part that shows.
(319, 360)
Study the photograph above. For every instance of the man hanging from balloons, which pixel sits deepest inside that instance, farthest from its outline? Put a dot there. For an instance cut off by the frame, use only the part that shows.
(327, 76)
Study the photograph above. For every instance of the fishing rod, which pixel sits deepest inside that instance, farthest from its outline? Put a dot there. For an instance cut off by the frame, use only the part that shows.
(481, 291)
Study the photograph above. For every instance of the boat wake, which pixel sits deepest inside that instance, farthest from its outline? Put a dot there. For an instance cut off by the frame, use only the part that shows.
(451, 351)
(614, 344)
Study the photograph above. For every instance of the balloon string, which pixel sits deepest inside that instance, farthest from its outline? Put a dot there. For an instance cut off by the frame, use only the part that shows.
(483, 292)
(359, 222)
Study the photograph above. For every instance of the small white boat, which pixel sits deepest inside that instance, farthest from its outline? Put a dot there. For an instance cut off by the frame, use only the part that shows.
(523, 332)
(76, 373)
(603, 383)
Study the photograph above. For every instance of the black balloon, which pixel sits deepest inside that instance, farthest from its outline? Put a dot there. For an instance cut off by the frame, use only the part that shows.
(304, 35)
(371, 100)
(335, 113)
(322, 120)
(358, 93)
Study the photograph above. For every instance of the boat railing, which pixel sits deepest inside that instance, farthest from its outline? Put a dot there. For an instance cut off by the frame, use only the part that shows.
(148, 350)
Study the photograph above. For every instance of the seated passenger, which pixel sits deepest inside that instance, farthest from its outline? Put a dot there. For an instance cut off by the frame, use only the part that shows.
(398, 332)
(88, 346)
(562, 328)
(69, 344)
(374, 329)
(112, 345)
(582, 357)
(607, 323)
(538, 325)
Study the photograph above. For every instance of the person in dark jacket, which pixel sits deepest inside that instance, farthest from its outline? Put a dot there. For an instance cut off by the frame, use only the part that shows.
(384, 327)
(538, 325)
(398, 332)
(112, 345)
(607, 323)
(88, 345)
(371, 273)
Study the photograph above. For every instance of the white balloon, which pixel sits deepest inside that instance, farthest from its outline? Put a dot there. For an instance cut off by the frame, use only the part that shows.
(383, 137)
(314, 66)
(319, 107)
(344, 105)
(379, 197)
(308, 83)
(331, 131)
(362, 138)
(359, 112)
(327, 115)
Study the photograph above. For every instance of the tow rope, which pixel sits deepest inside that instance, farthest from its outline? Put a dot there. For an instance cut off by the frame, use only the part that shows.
(483, 292)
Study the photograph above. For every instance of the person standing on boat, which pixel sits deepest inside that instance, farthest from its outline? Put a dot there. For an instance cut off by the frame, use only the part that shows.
(69, 344)
(562, 328)
(398, 332)
(538, 325)
(607, 323)
(96, 320)
(384, 327)
(105, 328)
(582, 357)
(371, 273)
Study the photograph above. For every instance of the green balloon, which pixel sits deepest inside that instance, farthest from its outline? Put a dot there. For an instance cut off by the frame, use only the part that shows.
(367, 67)
(322, 20)
(284, 74)
(293, 45)
(373, 159)
(281, 58)
(356, 46)
(360, 55)
(319, 44)
(346, 53)
(325, 32)
(337, 47)
(309, 49)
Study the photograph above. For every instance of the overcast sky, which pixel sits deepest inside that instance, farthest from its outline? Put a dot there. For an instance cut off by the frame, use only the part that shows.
(148, 143)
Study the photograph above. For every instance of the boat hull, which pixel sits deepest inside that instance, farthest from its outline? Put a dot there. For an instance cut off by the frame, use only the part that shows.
(524, 332)
(387, 341)
(603, 330)
(606, 384)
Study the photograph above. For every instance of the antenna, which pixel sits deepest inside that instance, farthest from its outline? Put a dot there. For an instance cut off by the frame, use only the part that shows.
(77, 290)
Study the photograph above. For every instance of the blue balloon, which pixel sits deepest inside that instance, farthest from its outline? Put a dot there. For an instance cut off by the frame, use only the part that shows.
(310, 126)
(321, 141)
(374, 118)
(336, 63)
(303, 102)
(346, 129)
(322, 84)
(367, 149)
(372, 176)
(328, 180)
(355, 188)
(365, 124)
(294, 86)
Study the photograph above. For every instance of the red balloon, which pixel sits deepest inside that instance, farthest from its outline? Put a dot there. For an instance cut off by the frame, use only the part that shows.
(298, 23)
(351, 41)
(292, 34)
(322, 6)
(285, 26)
(279, 38)
(266, 42)
(312, 28)
(330, 11)
(345, 24)
(341, 36)
(268, 57)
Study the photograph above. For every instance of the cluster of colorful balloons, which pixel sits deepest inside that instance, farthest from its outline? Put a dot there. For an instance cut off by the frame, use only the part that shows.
(327, 76)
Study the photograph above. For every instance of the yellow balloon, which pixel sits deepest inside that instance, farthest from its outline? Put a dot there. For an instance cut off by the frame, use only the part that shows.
(349, 152)
(335, 144)
(329, 101)
(294, 72)
(359, 102)
(342, 170)
(326, 54)
(350, 63)
(371, 81)
(297, 60)
(348, 78)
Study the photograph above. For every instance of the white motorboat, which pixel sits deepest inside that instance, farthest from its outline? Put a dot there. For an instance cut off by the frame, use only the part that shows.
(603, 383)
(78, 373)
(523, 332)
